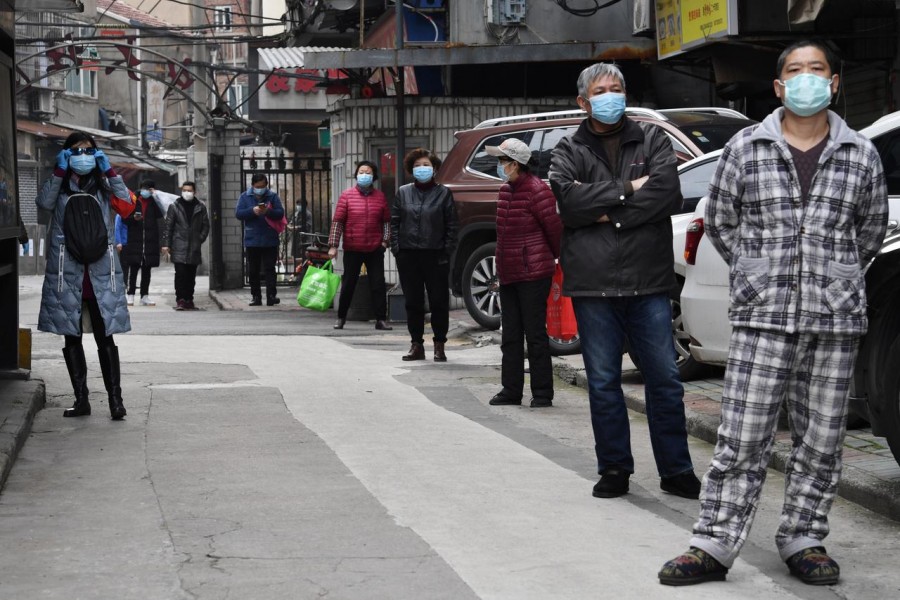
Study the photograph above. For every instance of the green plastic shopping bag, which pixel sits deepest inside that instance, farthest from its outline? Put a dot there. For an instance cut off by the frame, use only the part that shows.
(318, 287)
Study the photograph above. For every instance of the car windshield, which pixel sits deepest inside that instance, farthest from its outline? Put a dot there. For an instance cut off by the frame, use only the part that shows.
(712, 136)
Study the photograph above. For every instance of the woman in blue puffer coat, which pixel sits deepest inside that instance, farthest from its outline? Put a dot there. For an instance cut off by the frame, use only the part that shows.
(70, 287)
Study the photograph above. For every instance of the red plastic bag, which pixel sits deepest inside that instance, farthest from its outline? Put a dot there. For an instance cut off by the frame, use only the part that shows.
(123, 207)
(279, 225)
(561, 323)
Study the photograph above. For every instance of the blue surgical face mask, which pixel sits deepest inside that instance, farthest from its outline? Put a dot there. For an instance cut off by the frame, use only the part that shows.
(423, 174)
(364, 179)
(82, 163)
(608, 108)
(806, 94)
(146, 193)
(259, 191)
(501, 172)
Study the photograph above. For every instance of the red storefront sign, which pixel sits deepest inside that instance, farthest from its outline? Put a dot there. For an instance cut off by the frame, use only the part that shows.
(278, 83)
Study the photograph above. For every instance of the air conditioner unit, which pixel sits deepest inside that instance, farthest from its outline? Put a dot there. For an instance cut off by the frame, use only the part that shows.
(43, 102)
(506, 12)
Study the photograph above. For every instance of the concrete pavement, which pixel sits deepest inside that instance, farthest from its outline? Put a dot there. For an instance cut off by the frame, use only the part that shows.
(240, 472)
(871, 474)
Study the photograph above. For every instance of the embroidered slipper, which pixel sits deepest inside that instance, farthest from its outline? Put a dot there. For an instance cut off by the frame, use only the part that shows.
(692, 567)
(814, 567)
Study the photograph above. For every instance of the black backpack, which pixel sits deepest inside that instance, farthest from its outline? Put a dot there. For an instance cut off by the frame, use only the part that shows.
(87, 239)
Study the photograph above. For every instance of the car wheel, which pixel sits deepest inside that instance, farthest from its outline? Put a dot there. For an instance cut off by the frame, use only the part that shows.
(481, 288)
(561, 347)
(688, 367)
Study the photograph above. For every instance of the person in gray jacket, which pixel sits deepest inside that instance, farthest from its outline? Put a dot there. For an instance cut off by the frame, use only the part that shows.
(423, 237)
(187, 227)
(616, 186)
(798, 207)
(70, 287)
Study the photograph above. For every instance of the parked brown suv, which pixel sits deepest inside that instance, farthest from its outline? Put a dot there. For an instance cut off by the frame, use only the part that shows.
(471, 173)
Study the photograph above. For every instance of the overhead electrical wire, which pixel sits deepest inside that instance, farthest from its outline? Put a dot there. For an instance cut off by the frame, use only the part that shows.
(584, 12)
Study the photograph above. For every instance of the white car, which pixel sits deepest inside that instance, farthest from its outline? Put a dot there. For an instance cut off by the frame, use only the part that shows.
(694, 176)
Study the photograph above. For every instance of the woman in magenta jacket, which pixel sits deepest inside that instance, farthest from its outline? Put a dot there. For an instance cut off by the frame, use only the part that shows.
(362, 218)
(528, 234)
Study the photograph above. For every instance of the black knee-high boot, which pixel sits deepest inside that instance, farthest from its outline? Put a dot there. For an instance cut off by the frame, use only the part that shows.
(78, 374)
(109, 365)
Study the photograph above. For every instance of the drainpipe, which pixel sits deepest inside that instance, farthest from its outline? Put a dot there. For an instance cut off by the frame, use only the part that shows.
(256, 11)
(139, 88)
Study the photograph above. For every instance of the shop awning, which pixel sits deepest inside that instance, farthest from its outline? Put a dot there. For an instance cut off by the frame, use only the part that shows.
(287, 58)
(117, 158)
(42, 130)
(99, 133)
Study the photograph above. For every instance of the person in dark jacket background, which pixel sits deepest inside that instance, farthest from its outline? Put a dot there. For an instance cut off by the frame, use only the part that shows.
(141, 253)
(528, 234)
(362, 218)
(423, 237)
(187, 227)
(619, 270)
(260, 239)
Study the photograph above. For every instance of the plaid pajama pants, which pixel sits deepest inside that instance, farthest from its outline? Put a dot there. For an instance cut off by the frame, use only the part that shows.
(812, 373)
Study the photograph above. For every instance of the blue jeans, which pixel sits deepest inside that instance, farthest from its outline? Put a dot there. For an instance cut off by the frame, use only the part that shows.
(604, 325)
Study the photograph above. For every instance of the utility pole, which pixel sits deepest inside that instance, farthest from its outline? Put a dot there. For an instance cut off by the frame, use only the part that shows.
(401, 103)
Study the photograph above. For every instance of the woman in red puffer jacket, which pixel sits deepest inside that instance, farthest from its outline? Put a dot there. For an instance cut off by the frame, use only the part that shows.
(528, 234)
(362, 218)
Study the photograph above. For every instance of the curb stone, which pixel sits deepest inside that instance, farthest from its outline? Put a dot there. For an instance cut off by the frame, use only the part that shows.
(20, 401)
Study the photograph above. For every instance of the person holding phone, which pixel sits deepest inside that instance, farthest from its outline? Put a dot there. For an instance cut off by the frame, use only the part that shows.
(260, 240)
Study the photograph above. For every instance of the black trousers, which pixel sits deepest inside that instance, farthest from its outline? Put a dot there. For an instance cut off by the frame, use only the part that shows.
(97, 326)
(374, 262)
(145, 279)
(262, 259)
(424, 271)
(185, 279)
(524, 318)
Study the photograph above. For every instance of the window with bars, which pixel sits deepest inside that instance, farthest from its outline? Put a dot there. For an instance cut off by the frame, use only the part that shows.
(222, 16)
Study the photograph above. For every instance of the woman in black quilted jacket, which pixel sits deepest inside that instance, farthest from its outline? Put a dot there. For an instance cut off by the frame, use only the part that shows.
(141, 253)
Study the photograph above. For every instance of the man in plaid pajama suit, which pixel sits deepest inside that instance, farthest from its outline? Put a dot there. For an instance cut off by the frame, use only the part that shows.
(797, 207)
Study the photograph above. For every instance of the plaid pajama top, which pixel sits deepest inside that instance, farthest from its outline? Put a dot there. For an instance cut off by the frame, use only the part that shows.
(797, 267)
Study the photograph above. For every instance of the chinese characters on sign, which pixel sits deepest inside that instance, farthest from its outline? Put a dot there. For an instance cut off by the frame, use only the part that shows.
(277, 83)
(686, 24)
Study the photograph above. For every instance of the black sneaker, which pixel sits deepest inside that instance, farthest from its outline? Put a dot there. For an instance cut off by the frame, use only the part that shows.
(541, 402)
(502, 399)
(256, 301)
(613, 483)
(684, 484)
(273, 300)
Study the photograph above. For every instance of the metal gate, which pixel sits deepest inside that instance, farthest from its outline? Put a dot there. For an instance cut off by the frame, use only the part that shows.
(303, 183)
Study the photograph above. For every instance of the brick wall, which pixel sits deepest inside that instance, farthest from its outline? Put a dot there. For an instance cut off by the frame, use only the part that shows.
(227, 142)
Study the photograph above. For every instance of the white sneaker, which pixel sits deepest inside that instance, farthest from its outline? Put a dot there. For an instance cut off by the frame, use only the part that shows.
(129, 299)
(147, 301)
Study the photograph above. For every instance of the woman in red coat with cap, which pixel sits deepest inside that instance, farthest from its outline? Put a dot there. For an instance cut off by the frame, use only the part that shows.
(528, 235)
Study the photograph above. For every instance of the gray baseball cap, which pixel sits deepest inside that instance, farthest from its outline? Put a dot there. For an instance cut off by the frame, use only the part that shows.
(511, 148)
